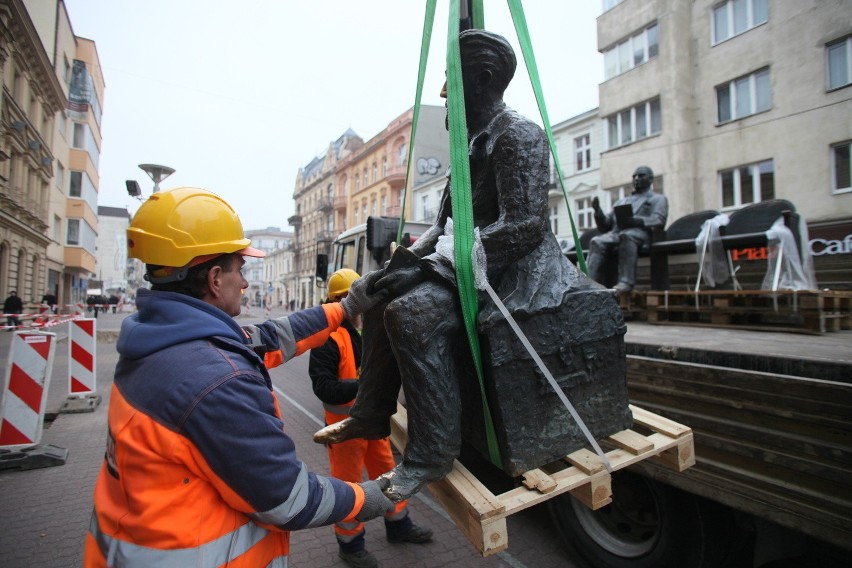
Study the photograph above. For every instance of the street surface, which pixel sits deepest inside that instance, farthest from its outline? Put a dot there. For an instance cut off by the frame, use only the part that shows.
(44, 513)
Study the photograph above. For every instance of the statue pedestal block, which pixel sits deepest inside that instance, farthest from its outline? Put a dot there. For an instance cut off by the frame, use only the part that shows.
(581, 343)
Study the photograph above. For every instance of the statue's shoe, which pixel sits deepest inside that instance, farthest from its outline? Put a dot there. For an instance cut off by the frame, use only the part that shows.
(404, 481)
(351, 428)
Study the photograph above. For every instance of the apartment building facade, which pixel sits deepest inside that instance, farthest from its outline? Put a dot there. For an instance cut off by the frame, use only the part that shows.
(50, 112)
(112, 262)
(579, 142)
(731, 103)
(31, 99)
(261, 285)
(319, 211)
(354, 180)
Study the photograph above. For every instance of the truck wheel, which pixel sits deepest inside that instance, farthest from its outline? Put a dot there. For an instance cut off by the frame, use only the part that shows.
(648, 525)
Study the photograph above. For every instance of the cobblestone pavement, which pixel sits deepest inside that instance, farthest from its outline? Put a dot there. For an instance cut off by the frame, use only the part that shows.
(44, 513)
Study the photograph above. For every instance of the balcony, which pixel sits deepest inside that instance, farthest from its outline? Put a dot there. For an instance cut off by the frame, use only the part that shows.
(325, 237)
(325, 205)
(295, 220)
(340, 202)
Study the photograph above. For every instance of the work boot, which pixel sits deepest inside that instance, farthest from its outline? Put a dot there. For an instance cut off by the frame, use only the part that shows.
(351, 428)
(359, 559)
(404, 530)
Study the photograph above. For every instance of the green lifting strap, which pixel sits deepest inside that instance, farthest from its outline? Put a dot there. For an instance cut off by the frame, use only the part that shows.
(421, 72)
(520, 21)
(462, 205)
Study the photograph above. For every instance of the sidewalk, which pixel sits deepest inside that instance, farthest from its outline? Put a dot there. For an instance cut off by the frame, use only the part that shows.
(44, 513)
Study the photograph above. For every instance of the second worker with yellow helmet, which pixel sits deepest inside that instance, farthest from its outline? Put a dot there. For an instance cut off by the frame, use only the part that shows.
(334, 369)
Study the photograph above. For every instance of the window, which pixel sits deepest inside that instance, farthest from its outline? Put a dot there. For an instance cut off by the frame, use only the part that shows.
(841, 171)
(366, 182)
(737, 16)
(585, 213)
(632, 51)
(82, 139)
(373, 206)
(554, 220)
(744, 96)
(58, 174)
(73, 237)
(839, 56)
(384, 204)
(583, 152)
(401, 154)
(57, 227)
(384, 166)
(375, 172)
(747, 184)
(633, 124)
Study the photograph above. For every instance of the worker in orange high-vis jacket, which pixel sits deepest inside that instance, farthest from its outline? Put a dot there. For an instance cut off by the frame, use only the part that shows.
(198, 469)
(334, 373)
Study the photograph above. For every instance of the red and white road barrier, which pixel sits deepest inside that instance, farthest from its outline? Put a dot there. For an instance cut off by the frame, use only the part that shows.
(82, 337)
(25, 392)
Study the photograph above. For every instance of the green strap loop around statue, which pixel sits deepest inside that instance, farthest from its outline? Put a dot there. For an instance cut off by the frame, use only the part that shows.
(520, 21)
(462, 205)
(421, 72)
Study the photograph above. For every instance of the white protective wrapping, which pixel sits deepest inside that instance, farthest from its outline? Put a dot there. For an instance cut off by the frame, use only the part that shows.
(794, 272)
(712, 258)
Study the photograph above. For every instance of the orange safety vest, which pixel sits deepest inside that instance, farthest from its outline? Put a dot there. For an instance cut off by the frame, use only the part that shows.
(346, 367)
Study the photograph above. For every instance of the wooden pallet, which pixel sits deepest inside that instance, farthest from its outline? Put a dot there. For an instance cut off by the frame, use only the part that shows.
(784, 310)
(481, 515)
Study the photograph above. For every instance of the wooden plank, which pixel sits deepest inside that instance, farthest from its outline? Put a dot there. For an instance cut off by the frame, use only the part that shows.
(538, 480)
(631, 441)
(586, 461)
(455, 493)
(658, 423)
(596, 493)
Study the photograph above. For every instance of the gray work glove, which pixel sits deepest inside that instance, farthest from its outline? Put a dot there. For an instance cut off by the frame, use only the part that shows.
(375, 502)
(362, 296)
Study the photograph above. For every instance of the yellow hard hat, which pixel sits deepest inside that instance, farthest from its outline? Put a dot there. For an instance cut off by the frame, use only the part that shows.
(176, 226)
(340, 281)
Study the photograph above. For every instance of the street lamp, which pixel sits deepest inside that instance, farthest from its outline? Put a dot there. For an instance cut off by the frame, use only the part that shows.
(157, 173)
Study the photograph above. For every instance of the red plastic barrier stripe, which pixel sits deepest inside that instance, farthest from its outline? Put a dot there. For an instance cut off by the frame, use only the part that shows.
(81, 356)
(11, 436)
(25, 388)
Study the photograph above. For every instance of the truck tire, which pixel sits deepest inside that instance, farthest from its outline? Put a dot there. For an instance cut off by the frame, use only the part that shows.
(648, 525)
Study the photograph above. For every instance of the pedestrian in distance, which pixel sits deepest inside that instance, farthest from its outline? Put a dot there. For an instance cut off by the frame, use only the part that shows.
(198, 470)
(334, 369)
(49, 300)
(13, 307)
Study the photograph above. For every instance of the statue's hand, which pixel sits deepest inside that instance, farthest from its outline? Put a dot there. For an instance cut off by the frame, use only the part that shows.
(401, 280)
(596, 204)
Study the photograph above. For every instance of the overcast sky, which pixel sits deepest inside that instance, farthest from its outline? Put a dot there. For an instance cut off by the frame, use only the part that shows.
(237, 96)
